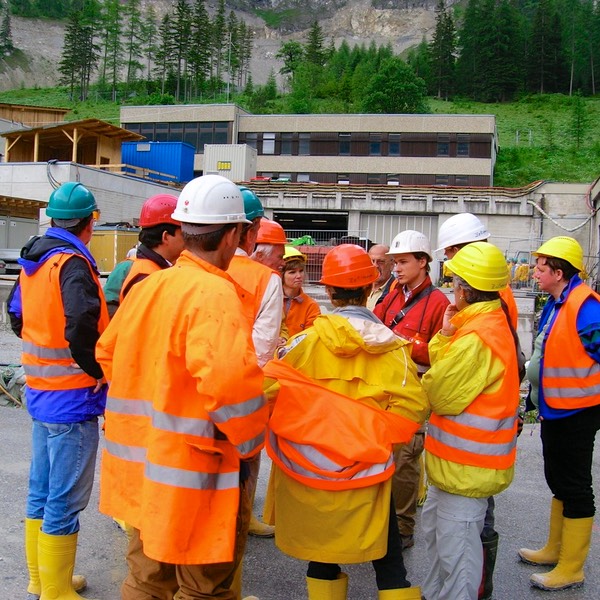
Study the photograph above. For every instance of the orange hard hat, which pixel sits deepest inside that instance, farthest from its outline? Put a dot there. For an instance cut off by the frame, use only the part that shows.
(348, 266)
(270, 232)
(158, 210)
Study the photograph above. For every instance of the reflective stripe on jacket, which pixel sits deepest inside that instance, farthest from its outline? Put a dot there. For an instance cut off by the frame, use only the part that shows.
(570, 377)
(46, 357)
(183, 409)
(356, 453)
(484, 435)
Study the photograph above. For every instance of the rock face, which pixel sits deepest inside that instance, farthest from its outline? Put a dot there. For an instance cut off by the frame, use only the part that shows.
(403, 23)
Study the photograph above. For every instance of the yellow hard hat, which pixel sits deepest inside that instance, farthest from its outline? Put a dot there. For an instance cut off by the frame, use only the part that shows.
(563, 247)
(481, 265)
(292, 253)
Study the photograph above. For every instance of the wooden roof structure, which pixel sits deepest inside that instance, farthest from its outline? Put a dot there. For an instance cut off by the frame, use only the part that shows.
(66, 141)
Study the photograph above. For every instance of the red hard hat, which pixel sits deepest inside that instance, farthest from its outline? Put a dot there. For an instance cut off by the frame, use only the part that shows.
(270, 232)
(348, 266)
(158, 210)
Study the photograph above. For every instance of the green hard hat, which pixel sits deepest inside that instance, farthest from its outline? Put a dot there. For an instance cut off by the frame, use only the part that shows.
(72, 200)
(252, 205)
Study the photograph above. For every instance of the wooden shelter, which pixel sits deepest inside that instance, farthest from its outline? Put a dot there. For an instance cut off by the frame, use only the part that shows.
(32, 116)
(87, 142)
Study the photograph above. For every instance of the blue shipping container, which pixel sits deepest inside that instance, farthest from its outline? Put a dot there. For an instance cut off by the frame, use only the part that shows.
(174, 160)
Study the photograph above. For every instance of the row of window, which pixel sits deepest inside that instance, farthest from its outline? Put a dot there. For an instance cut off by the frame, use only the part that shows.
(309, 144)
(369, 178)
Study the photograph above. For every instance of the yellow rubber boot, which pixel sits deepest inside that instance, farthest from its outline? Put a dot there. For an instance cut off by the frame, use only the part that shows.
(32, 530)
(411, 593)
(548, 555)
(568, 573)
(325, 589)
(56, 559)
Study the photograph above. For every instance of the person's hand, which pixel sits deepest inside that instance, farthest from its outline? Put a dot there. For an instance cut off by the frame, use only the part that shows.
(447, 328)
(99, 384)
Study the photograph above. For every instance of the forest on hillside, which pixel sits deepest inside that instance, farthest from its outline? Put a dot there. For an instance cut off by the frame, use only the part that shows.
(483, 50)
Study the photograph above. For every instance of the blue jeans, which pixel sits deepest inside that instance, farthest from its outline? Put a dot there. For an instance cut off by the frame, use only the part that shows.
(61, 476)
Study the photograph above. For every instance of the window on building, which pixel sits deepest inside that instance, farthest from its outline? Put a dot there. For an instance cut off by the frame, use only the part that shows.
(393, 179)
(462, 180)
(220, 134)
(176, 132)
(268, 146)
(251, 140)
(303, 177)
(394, 144)
(443, 145)
(462, 145)
(135, 127)
(190, 134)
(147, 131)
(343, 178)
(286, 143)
(374, 178)
(375, 144)
(344, 140)
(206, 135)
(441, 179)
(304, 144)
(161, 132)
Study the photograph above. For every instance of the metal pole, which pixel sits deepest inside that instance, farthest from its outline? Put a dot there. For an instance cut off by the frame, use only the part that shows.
(229, 67)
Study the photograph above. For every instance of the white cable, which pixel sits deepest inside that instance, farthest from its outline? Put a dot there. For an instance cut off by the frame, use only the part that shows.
(569, 229)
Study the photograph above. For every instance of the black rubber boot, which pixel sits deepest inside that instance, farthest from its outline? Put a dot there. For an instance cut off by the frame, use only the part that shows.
(490, 551)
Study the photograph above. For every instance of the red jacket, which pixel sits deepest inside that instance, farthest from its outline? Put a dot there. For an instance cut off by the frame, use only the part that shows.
(422, 321)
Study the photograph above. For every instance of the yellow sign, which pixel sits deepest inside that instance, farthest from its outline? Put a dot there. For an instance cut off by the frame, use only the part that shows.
(224, 165)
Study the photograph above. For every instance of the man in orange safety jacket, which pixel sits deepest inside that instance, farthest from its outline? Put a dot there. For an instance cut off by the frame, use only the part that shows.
(184, 407)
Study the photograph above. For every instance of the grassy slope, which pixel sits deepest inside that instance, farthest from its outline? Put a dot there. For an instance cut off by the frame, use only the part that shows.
(545, 149)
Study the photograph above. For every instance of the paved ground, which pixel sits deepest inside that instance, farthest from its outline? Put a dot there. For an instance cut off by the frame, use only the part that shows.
(522, 513)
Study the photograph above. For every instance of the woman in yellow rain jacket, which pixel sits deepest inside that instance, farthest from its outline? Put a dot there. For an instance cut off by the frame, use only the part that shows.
(348, 391)
(473, 388)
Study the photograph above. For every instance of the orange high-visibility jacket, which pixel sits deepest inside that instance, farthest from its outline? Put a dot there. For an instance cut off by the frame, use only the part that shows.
(300, 313)
(485, 434)
(509, 298)
(46, 357)
(185, 404)
(251, 276)
(570, 376)
(355, 453)
(140, 266)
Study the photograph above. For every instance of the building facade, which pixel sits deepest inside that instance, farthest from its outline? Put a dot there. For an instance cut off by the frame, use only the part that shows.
(444, 150)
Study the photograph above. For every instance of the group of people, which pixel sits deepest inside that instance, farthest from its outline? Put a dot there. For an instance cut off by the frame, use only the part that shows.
(214, 351)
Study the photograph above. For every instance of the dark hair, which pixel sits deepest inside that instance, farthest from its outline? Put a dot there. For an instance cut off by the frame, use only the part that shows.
(246, 229)
(76, 229)
(565, 266)
(472, 295)
(206, 242)
(151, 237)
(420, 255)
(350, 296)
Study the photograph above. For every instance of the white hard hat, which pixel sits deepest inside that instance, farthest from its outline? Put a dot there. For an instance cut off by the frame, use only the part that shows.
(461, 229)
(411, 241)
(210, 200)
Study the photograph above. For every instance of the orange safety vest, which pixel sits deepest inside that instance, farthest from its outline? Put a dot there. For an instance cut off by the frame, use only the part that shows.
(570, 376)
(509, 298)
(46, 357)
(140, 266)
(181, 412)
(485, 434)
(329, 441)
(252, 276)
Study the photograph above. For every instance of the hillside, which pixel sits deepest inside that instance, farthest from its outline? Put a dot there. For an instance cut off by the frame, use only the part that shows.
(355, 21)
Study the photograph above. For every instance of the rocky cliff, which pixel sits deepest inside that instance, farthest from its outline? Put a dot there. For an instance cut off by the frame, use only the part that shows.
(403, 23)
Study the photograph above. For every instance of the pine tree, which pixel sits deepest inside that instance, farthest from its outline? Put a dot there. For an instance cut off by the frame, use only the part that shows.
(200, 47)
(579, 120)
(113, 48)
(133, 42)
(182, 30)
(149, 35)
(165, 54)
(442, 51)
(6, 41)
(314, 51)
(470, 66)
(219, 45)
(292, 54)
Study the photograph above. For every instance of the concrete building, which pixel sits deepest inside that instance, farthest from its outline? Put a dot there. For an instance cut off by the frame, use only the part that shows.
(454, 150)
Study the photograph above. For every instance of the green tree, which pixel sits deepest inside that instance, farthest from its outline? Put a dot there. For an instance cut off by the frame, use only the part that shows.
(134, 36)
(182, 30)
(579, 120)
(113, 48)
(148, 38)
(314, 51)
(199, 50)
(395, 89)
(165, 55)
(219, 45)
(442, 51)
(6, 40)
(291, 53)
(419, 59)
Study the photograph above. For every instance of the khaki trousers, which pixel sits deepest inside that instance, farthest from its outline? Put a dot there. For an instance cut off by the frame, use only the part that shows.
(149, 579)
(405, 482)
